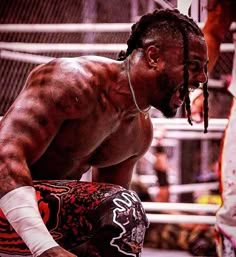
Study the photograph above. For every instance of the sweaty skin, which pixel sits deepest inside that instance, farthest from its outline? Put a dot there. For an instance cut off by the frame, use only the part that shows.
(77, 113)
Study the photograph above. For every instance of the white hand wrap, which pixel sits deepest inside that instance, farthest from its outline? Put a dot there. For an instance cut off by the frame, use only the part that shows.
(21, 210)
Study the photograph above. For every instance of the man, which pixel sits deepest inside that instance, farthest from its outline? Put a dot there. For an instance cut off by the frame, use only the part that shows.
(220, 16)
(73, 114)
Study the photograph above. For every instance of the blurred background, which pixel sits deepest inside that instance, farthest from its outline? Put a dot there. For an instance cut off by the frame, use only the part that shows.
(182, 164)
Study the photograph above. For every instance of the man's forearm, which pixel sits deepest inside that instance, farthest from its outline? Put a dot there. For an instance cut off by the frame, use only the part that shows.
(21, 209)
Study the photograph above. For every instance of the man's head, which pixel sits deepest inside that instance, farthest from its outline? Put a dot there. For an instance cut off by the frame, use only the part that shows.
(167, 36)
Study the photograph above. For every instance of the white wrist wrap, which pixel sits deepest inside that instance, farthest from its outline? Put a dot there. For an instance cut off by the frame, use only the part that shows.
(21, 210)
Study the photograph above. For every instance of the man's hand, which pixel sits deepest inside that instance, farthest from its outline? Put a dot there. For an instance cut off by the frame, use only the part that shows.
(57, 252)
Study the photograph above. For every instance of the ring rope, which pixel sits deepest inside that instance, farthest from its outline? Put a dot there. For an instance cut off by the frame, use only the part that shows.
(55, 47)
(186, 207)
(69, 47)
(75, 27)
(24, 57)
(184, 219)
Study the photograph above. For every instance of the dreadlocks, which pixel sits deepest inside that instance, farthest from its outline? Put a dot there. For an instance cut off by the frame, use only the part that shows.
(164, 22)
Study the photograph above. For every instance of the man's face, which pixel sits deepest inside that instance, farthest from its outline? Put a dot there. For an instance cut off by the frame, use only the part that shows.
(171, 79)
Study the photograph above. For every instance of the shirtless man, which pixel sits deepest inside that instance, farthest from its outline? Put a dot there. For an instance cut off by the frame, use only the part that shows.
(77, 113)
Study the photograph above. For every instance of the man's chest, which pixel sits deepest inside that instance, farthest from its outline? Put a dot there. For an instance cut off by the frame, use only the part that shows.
(78, 147)
(100, 144)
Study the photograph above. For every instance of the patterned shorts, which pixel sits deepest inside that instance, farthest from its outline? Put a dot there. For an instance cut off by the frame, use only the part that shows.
(88, 219)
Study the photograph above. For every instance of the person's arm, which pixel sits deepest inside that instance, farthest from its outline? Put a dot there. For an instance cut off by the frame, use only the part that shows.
(25, 133)
(218, 22)
(120, 174)
(219, 19)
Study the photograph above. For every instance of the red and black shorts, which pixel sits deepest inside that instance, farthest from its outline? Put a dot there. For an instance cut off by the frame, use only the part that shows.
(88, 219)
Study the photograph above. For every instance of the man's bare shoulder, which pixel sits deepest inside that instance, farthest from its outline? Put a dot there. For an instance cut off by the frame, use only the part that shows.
(62, 67)
(59, 68)
(69, 82)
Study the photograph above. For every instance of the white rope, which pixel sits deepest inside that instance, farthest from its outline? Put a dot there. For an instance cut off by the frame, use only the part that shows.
(66, 27)
(215, 83)
(227, 47)
(56, 47)
(186, 207)
(187, 188)
(74, 27)
(184, 219)
(179, 189)
(179, 128)
(189, 135)
(40, 48)
(24, 57)
(182, 123)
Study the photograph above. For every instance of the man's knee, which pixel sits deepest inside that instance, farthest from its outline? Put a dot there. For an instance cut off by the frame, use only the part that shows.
(121, 223)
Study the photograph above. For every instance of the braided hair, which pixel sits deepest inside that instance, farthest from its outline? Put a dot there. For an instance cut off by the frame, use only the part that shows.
(170, 22)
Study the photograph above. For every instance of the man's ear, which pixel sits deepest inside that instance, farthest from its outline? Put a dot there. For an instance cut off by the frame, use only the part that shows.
(152, 56)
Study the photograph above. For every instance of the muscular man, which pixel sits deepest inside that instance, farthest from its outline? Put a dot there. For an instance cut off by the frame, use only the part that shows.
(221, 13)
(77, 113)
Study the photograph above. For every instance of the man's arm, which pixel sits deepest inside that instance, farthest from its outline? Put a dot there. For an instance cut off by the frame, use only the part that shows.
(25, 133)
(120, 174)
